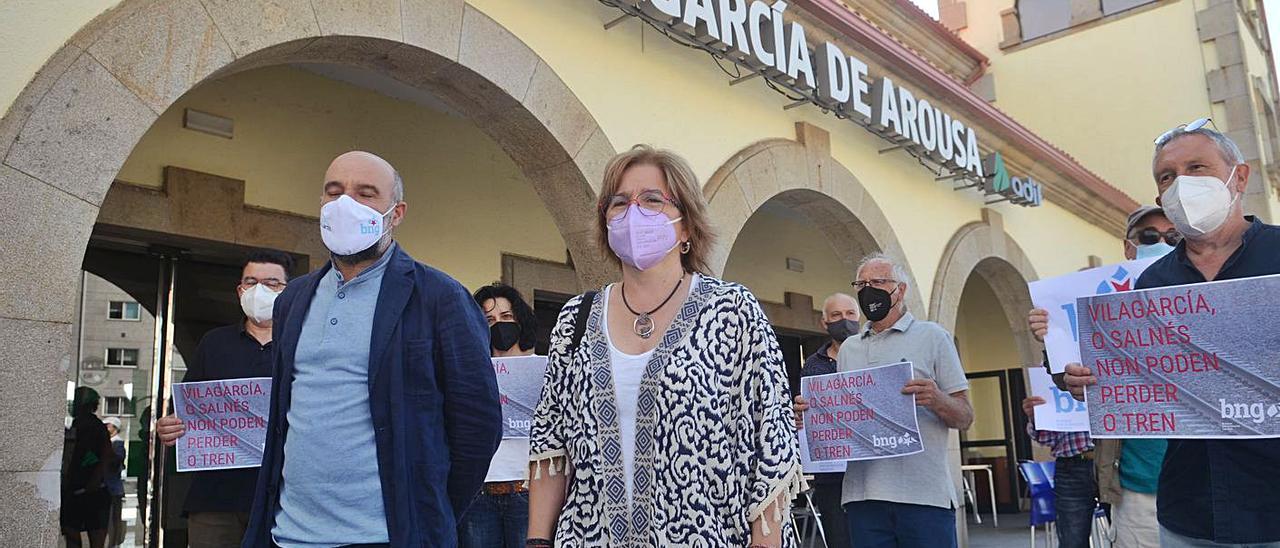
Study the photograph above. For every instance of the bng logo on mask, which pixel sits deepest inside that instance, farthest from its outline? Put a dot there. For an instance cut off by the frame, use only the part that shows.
(371, 228)
(1256, 412)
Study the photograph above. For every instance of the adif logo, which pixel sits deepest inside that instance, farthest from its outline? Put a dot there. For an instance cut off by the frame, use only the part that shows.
(371, 228)
(1257, 412)
(1120, 280)
(892, 442)
(1000, 178)
(1018, 190)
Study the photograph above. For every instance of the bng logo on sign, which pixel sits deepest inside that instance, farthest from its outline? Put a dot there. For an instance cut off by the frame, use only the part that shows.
(1256, 412)
(892, 442)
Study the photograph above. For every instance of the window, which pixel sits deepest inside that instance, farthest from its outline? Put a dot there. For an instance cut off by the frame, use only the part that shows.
(1038, 18)
(122, 357)
(1043, 17)
(118, 406)
(123, 310)
(1110, 7)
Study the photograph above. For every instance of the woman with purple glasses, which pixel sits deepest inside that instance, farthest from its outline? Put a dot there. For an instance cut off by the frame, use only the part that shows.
(664, 418)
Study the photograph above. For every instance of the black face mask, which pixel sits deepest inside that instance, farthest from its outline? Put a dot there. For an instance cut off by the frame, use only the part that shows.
(504, 335)
(875, 302)
(841, 330)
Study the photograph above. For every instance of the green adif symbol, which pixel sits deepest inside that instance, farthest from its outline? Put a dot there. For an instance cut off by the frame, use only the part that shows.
(1000, 175)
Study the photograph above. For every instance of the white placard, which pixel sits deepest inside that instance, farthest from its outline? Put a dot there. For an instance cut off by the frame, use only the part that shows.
(1058, 296)
(1060, 412)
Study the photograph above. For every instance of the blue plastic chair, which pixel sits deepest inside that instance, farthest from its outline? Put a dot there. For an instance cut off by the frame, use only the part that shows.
(1039, 477)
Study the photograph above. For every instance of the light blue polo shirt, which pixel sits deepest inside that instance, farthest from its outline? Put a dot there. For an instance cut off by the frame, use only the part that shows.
(331, 494)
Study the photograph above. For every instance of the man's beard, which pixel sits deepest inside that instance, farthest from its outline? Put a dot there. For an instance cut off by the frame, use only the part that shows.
(372, 253)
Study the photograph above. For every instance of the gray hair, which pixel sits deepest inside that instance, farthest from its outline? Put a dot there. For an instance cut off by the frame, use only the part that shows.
(1228, 148)
(899, 272)
(397, 189)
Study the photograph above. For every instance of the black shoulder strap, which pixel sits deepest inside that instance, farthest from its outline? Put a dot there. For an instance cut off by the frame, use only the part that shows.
(581, 319)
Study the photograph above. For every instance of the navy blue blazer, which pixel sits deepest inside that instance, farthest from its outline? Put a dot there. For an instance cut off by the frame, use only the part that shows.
(432, 394)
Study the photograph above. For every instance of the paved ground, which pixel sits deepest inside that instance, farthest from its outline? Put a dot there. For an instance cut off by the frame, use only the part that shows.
(1013, 532)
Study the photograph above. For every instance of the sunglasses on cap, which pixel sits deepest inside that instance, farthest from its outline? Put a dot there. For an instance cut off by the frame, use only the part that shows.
(1149, 236)
(1184, 128)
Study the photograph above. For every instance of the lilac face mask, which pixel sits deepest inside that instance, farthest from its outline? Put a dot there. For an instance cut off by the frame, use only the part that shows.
(641, 240)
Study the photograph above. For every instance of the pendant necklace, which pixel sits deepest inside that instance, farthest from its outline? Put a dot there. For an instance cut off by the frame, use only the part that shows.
(643, 326)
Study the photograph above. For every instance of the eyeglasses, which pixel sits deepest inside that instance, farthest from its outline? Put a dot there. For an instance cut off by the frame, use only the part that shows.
(1149, 235)
(1184, 128)
(274, 284)
(873, 282)
(651, 202)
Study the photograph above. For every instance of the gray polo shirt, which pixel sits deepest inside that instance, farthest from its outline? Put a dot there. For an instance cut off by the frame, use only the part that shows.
(923, 478)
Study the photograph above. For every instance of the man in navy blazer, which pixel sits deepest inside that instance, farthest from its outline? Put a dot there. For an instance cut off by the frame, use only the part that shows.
(384, 404)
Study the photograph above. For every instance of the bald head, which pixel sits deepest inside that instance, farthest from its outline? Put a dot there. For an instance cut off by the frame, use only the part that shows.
(839, 306)
(365, 177)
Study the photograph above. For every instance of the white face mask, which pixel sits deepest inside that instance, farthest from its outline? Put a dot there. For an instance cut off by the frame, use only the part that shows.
(348, 227)
(257, 303)
(1198, 205)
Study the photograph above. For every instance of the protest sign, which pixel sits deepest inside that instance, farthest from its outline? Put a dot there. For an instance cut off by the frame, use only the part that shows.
(1058, 297)
(226, 423)
(1060, 412)
(1190, 361)
(861, 415)
(519, 387)
(809, 466)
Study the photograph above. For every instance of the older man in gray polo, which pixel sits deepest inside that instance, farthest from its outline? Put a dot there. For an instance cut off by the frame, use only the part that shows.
(905, 501)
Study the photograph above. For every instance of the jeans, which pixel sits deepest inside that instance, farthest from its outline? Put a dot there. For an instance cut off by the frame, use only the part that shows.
(881, 524)
(826, 496)
(495, 521)
(1169, 539)
(1076, 494)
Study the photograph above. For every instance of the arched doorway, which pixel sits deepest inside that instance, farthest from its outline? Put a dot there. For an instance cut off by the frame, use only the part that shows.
(800, 179)
(981, 296)
(76, 123)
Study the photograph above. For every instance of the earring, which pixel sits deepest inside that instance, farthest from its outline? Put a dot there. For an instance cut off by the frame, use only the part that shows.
(684, 249)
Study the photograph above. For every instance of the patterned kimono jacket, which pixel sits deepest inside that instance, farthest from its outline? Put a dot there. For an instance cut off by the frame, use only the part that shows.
(715, 441)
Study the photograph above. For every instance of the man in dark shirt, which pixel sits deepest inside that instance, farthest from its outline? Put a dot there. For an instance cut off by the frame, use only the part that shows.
(219, 501)
(1211, 492)
(86, 503)
(840, 320)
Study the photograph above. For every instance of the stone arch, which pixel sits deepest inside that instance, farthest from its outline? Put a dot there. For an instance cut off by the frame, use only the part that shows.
(68, 133)
(802, 175)
(985, 249)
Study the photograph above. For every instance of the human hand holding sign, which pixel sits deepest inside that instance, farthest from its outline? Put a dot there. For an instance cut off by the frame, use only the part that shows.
(926, 392)
(170, 428)
(953, 409)
(1077, 378)
(1029, 406)
(1038, 321)
(798, 408)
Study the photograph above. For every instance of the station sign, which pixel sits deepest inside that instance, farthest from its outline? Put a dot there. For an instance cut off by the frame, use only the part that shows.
(755, 35)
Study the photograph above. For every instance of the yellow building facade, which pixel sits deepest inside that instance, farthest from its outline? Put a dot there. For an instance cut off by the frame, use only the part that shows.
(172, 135)
(1171, 62)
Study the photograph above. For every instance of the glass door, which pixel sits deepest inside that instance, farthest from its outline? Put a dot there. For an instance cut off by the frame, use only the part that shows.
(146, 301)
(994, 438)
